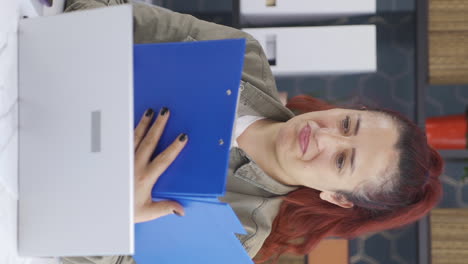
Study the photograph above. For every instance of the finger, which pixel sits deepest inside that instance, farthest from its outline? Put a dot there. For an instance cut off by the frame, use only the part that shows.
(141, 128)
(159, 209)
(151, 139)
(163, 160)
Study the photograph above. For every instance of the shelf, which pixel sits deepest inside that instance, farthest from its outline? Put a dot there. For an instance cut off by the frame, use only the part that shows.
(454, 154)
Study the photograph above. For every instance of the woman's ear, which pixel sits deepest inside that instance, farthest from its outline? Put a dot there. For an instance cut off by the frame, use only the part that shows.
(335, 198)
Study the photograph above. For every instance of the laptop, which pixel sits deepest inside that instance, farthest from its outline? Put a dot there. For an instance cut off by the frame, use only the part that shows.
(76, 134)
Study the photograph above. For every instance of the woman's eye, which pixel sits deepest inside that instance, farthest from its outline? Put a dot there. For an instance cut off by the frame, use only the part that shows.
(345, 124)
(340, 161)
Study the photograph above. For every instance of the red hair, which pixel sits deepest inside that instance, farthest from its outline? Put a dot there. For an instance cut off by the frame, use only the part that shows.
(304, 219)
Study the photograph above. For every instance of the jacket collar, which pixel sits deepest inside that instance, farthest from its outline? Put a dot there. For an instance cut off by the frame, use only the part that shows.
(263, 104)
(252, 173)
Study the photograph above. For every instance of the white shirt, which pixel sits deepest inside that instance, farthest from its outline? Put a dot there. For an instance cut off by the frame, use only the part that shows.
(241, 124)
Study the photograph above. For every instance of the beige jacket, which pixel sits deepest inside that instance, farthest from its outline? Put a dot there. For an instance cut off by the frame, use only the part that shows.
(253, 195)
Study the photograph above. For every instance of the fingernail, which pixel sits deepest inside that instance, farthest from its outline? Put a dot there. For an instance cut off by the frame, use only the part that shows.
(176, 213)
(183, 137)
(163, 111)
(149, 112)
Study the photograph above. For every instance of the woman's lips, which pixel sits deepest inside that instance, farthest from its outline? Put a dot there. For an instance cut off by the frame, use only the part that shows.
(304, 137)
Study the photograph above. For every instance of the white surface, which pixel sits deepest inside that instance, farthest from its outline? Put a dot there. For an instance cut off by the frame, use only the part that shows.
(257, 11)
(30, 8)
(69, 66)
(57, 7)
(34, 8)
(9, 14)
(320, 50)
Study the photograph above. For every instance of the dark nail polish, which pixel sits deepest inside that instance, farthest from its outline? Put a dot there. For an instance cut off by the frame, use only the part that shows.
(164, 111)
(149, 112)
(183, 137)
(176, 213)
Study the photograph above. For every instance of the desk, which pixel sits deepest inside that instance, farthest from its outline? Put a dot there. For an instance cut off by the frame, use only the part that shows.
(9, 16)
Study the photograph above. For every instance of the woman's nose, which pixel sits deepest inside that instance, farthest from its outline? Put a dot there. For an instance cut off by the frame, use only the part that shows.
(327, 138)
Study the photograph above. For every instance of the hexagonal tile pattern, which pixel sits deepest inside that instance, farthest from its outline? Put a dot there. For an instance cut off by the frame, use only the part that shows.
(378, 248)
(403, 251)
(364, 260)
(406, 96)
(461, 93)
(391, 246)
(395, 5)
(464, 195)
(400, 63)
(449, 99)
(455, 190)
(314, 86)
(345, 87)
(449, 190)
(354, 249)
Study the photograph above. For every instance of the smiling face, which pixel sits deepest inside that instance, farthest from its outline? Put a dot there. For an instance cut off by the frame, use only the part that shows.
(338, 149)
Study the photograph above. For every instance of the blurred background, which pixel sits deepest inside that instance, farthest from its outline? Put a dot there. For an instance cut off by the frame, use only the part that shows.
(443, 84)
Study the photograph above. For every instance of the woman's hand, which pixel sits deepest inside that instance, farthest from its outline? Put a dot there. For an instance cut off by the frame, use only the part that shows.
(147, 172)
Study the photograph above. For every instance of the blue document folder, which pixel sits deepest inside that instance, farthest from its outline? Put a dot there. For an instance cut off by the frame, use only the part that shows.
(199, 83)
(202, 236)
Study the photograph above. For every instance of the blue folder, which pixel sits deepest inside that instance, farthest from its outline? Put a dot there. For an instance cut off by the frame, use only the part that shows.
(199, 83)
(201, 236)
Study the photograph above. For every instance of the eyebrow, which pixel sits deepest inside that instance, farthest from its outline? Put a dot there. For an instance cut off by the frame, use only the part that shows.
(353, 153)
(358, 123)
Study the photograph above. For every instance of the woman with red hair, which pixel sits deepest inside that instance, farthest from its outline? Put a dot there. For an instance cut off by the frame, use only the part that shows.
(395, 181)
(293, 179)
